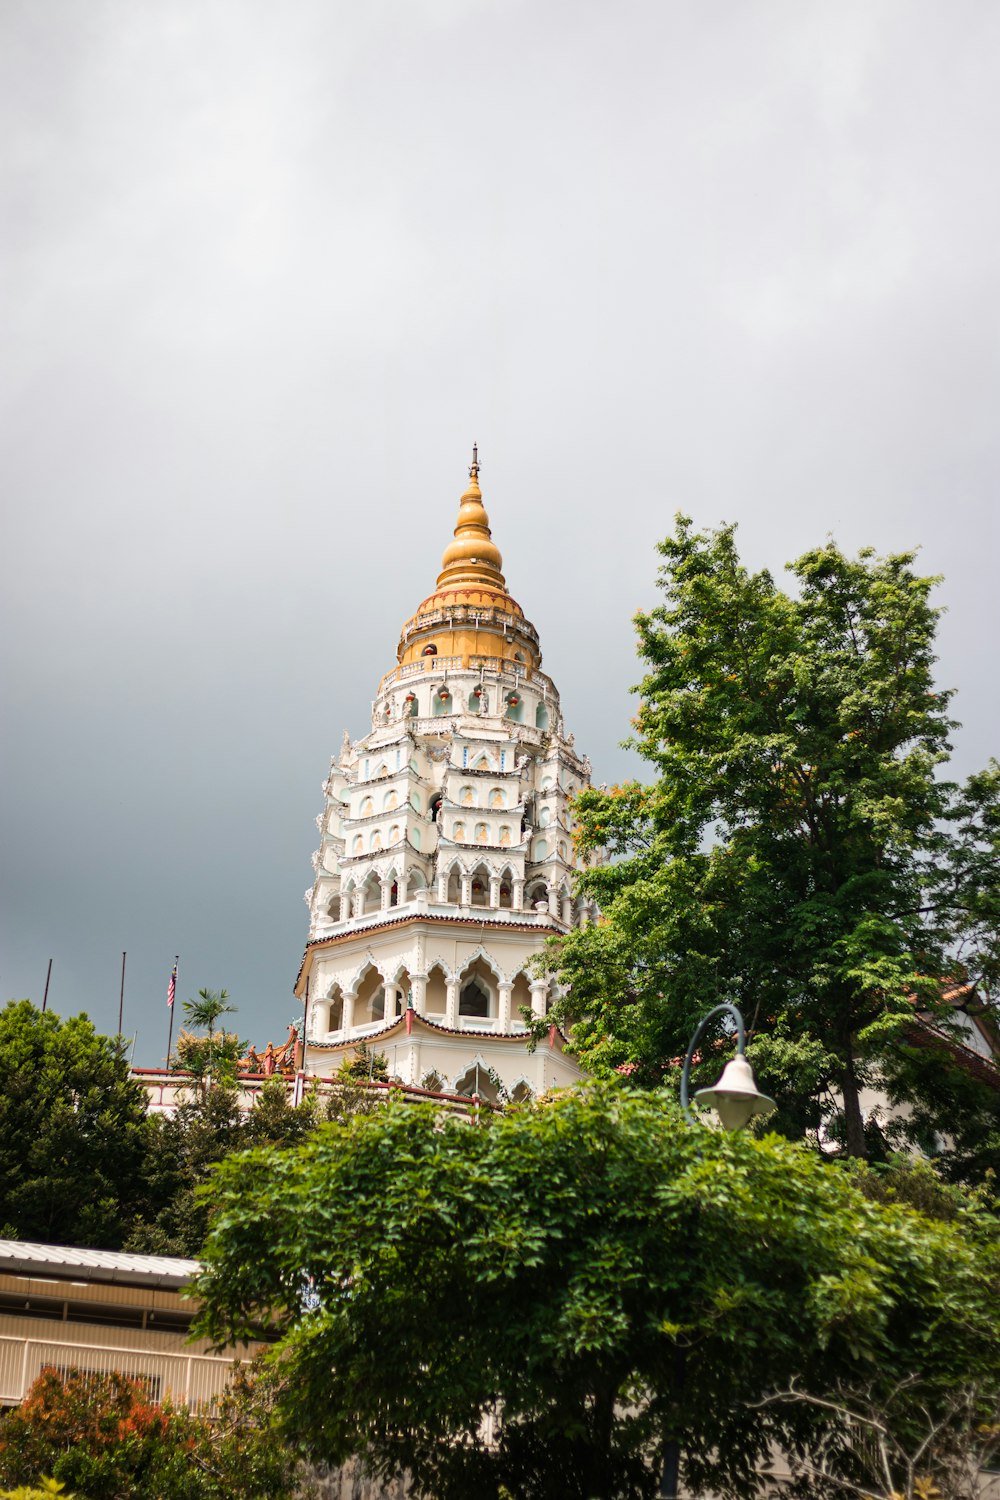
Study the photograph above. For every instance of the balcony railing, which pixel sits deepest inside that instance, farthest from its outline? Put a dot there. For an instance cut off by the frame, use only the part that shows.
(196, 1379)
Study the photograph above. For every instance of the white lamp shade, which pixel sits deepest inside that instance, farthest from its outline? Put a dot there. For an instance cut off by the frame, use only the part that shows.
(735, 1097)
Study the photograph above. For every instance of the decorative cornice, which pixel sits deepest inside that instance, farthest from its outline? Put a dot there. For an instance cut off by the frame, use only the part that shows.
(543, 929)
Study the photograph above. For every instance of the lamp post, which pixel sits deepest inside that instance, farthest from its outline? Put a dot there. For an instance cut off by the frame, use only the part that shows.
(736, 1099)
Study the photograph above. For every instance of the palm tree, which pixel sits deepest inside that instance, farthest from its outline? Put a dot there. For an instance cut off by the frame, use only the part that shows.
(204, 1013)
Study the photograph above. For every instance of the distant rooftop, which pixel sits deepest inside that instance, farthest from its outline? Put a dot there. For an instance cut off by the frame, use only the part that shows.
(66, 1262)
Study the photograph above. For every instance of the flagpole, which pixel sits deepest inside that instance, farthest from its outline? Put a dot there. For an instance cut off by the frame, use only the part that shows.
(45, 997)
(121, 998)
(171, 994)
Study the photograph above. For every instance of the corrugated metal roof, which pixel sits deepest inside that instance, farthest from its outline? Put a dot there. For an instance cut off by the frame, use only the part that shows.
(21, 1257)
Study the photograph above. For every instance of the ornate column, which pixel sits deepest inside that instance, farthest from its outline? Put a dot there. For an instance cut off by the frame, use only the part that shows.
(418, 985)
(345, 906)
(517, 896)
(451, 1004)
(386, 891)
(466, 890)
(348, 1020)
(567, 909)
(505, 989)
(320, 1018)
(494, 892)
(553, 902)
(359, 897)
(539, 995)
(442, 885)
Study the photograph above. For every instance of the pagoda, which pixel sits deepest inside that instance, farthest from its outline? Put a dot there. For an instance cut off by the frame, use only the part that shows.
(446, 853)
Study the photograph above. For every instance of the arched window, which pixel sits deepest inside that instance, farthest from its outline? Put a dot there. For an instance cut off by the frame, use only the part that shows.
(415, 838)
(496, 797)
(544, 817)
(476, 1080)
(376, 840)
(394, 834)
(435, 807)
(515, 708)
(367, 807)
(370, 1002)
(336, 1010)
(390, 802)
(474, 1000)
(358, 845)
(459, 833)
(541, 717)
(541, 849)
(430, 650)
(441, 703)
(482, 836)
(465, 796)
(411, 706)
(477, 703)
(505, 835)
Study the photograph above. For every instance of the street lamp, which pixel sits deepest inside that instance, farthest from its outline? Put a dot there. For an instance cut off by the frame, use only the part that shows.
(736, 1100)
(735, 1097)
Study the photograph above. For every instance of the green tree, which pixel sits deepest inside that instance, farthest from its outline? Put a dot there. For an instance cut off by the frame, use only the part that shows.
(364, 1066)
(183, 1147)
(798, 851)
(72, 1130)
(542, 1302)
(207, 1126)
(212, 1058)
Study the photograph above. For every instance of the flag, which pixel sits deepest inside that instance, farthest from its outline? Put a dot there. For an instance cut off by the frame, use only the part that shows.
(172, 986)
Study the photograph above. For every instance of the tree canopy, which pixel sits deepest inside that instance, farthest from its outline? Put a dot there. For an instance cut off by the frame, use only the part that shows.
(72, 1130)
(544, 1301)
(799, 851)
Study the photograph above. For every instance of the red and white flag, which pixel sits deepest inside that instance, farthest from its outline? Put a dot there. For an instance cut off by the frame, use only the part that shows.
(172, 986)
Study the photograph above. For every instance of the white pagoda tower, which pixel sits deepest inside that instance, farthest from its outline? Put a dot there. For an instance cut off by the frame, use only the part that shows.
(446, 853)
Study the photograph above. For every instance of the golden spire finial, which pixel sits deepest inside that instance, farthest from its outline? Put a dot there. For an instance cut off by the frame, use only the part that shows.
(473, 556)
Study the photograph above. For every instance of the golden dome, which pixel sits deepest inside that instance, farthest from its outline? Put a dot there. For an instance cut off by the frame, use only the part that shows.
(470, 615)
(473, 556)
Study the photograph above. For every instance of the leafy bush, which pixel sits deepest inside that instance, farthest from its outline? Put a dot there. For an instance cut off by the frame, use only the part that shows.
(101, 1434)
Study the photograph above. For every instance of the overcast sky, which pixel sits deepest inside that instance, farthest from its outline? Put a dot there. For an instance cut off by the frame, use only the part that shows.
(268, 271)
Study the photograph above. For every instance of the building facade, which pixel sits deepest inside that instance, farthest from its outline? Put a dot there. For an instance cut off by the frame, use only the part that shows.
(446, 851)
(63, 1309)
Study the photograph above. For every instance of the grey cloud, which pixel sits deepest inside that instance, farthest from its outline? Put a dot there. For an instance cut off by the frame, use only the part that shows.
(270, 271)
